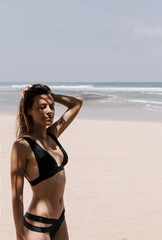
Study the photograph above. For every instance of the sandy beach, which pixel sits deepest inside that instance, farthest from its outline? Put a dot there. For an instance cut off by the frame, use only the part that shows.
(114, 179)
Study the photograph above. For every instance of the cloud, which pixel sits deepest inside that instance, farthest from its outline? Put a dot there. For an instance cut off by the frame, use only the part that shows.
(147, 31)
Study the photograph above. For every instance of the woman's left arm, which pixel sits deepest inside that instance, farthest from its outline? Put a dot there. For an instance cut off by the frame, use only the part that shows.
(73, 104)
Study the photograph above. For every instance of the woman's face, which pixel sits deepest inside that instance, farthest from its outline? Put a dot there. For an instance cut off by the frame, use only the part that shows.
(42, 111)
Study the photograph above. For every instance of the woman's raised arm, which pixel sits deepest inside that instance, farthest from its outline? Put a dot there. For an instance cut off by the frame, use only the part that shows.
(73, 104)
(18, 164)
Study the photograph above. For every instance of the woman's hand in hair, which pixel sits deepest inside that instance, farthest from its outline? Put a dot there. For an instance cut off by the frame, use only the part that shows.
(24, 90)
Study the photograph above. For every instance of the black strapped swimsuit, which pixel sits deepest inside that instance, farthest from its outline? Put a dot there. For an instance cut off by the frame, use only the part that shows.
(46, 163)
(47, 168)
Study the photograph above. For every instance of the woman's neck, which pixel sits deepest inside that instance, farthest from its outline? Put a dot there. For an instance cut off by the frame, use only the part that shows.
(39, 132)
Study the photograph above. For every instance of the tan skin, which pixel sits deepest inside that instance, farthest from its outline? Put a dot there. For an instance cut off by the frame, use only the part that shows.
(47, 198)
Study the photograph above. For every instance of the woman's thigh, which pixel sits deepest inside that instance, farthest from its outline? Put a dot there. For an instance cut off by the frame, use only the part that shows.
(31, 235)
(62, 233)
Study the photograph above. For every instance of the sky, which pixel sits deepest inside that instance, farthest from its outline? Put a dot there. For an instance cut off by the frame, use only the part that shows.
(81, 40)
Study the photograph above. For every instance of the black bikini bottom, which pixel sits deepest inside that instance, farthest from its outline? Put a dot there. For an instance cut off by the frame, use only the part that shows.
(52, 230)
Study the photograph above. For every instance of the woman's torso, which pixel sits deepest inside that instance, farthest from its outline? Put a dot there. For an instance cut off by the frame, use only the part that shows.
(46, 166)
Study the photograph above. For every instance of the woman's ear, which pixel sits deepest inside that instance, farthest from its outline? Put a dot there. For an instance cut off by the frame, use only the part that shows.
(29, 112)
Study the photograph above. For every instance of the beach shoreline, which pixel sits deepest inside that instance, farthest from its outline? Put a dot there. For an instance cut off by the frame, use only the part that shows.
(100, 99)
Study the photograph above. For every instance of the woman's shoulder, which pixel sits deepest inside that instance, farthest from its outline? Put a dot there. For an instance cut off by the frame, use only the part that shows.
(20, 145)
(19, 155)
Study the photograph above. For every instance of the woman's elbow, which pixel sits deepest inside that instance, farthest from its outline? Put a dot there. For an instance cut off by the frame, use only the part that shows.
(80, 101)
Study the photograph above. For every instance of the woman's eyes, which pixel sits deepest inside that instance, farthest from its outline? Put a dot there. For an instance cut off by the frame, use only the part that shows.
(51, 106)
(43, 107)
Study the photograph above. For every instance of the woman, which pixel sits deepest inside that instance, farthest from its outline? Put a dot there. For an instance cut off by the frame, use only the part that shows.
(39, 156)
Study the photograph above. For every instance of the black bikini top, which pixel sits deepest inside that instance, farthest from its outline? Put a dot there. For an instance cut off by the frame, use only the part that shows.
(46, 163)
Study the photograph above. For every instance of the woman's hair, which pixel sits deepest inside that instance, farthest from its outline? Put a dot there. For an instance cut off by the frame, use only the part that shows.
(24, 121)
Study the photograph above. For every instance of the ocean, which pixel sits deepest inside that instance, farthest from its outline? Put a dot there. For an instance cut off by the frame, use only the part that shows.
(119, 100)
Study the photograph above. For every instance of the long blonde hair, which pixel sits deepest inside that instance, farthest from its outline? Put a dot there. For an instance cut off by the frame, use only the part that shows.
(24, 121)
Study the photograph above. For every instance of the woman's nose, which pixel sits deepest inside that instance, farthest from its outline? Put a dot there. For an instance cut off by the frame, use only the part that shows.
(49, 109)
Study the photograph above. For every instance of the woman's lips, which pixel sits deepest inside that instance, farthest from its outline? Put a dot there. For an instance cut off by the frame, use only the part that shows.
(49, 118)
